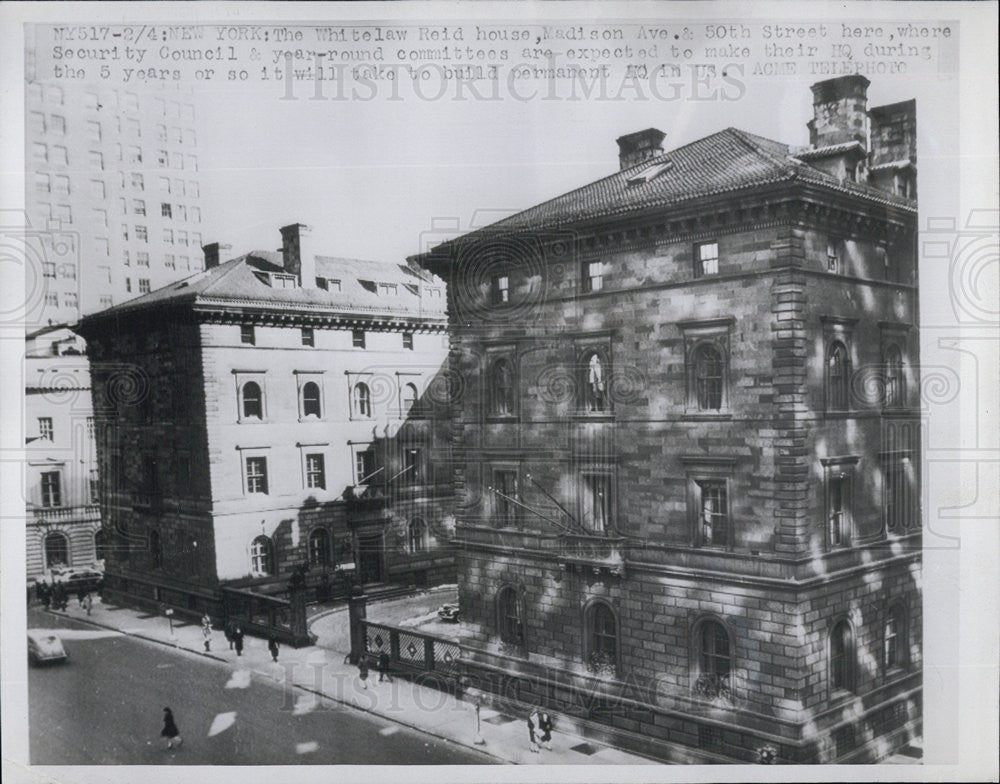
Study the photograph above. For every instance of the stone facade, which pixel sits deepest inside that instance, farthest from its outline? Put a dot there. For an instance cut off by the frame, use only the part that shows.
(707, 539)
(231, 431)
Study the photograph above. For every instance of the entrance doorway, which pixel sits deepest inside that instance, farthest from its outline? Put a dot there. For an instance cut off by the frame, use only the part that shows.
(370, 559)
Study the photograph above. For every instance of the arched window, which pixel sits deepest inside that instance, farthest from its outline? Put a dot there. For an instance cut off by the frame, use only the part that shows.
(362, 400)
(602, 632)
(409, 397)
(319, 547)
(841, 657)
(714, 660)
(894, 647)
(417, 531)
(708, 371)
(253, 401)
(509, 617)
(836, 377)
(100, 544)
(501, 380)
(155, 550)
(595, 384)
(262, 556)
(893, 362)
(311, 399)
(56, 550)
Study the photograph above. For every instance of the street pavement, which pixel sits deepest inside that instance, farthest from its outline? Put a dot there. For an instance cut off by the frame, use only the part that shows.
(305, 703)
(104, 706)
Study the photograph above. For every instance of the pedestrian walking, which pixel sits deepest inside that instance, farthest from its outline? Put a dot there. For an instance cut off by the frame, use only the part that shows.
(545, 727)
(88, 603)
(81, 594)
(363, 672)
(272, 646)
(383, 667)
(206, 631)
(532, 723)
(170, 731)
(238, 640)
(45, 593)
(230, 632)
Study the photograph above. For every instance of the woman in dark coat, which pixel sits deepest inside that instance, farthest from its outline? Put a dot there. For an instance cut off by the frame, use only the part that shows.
(170, 731)
(545, 726)
(272, 646)
(238, 640)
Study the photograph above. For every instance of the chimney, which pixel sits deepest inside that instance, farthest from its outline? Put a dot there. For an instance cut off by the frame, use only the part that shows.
(297, 254)
(212, 253)
(634, 148)
(840, 111)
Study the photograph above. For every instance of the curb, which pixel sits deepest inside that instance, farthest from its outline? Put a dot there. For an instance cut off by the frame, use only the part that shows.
(359, 708)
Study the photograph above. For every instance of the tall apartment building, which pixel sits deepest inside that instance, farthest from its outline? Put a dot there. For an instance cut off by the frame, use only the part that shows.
(113, 205)
(687, 453)
(274, 411)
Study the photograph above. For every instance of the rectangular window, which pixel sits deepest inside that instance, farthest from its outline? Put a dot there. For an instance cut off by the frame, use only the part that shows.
(165, 210)
(95, 486)
(39, 152)
(182, 238)
(144, 285)
(93, 131)
(500, 290)
(106, 301)
(408, 340)
(832, 257)
(45, 428)
(96, 160)
(42, 184)
(838, 505)
(257, 475)
(128, 285)
(168, 261)
(505, 497)
(162, 159)
(48, 269)
(70, 299)
(165, 184)
(52, 299)
(60, 185)
(248, 335)
(386, 289)
(358, 338)
(142, 259)
(139, 206)
(141, 234)
(593, 280)
(308, 336)
(412, 466)
(97, 189)
(137, 182)
(168, 236)
(181, 212)
(133, 154)
(365, 464)
(706, 259)
(315, 472)
(896, 499)
(596, 511)
(126, 258)
(51, 489)
(713, 513)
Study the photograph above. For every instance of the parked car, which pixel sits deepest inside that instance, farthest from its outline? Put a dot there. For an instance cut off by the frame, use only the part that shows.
(87, 579)
(448, 612)
(45, 646)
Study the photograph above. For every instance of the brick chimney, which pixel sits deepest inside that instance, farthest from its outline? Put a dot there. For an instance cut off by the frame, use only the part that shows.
(212, 253)
(634, 148)
(840, 111)
(297, 254)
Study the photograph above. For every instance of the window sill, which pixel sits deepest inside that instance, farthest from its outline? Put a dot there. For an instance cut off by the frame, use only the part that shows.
(595, 416)
(500, 418)
(312, 419)
(695, 415)
(841, 695)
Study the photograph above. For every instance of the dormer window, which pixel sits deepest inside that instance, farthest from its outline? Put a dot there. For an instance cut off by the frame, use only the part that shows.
(386, 289)
(281, 281)
(649, 173)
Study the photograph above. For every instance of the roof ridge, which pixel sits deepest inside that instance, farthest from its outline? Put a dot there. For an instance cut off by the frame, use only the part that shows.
(746, 138)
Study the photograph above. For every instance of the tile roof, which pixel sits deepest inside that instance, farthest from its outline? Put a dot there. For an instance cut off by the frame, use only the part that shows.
(727, 161)
(236, 282)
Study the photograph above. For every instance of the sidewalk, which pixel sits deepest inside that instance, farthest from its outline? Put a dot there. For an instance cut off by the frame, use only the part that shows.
(319, 675)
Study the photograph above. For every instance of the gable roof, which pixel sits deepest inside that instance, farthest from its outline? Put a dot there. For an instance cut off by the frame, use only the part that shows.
(726, 161)
(237, 283)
